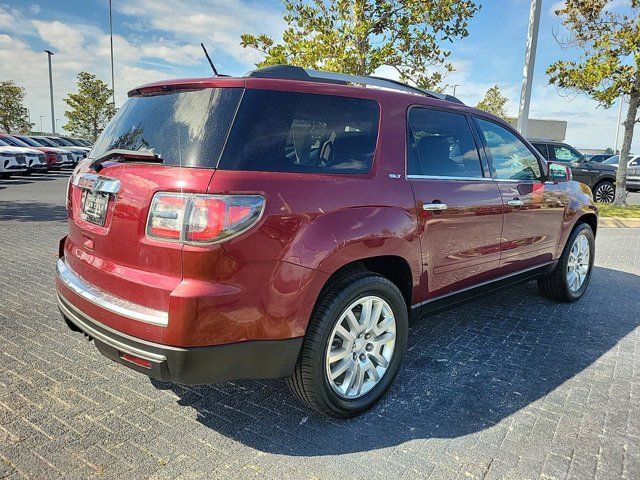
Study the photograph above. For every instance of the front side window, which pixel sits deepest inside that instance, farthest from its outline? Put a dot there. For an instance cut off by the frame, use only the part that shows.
(565, 154)
(278, 131)
(441, 144)
(512, 159)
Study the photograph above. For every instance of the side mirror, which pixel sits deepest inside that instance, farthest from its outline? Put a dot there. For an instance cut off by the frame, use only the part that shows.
(559, 173)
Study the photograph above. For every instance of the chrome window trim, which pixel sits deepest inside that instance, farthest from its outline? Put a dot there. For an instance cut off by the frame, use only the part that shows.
(442, 177)
(107, 301)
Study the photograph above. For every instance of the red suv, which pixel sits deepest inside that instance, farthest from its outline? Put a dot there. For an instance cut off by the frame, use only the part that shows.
(290, 222)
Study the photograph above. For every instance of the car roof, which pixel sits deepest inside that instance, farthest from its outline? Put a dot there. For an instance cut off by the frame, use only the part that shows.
(376, 88)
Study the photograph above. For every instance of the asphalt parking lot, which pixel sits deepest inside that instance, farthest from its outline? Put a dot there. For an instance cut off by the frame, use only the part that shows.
(512, 386)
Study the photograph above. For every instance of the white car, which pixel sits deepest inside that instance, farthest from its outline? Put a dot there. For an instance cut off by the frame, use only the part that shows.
(633, 171)
(34, 159)
(11, 162)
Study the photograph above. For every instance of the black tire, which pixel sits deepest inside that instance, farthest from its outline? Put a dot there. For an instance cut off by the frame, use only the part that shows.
(604, 192)
(555, 285)
(309, 382)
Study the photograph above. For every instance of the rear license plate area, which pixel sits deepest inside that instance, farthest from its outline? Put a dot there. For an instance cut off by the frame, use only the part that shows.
(94, 207)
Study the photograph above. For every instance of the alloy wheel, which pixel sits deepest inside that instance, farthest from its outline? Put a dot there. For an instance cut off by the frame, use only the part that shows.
(579, 263)
(360, 347)
(604, 193)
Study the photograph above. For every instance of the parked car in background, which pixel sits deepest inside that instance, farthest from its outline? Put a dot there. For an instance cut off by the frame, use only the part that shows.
(600, 177)
(633, 171)
(78, 153)
(67, 143)
(599, 157)
(298, 222)
(78, 142)
(83, 142)
(34, 159)
(56, 157)
(11, 162)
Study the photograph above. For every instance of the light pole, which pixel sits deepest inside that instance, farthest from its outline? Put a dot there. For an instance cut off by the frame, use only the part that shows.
(454, 89)
(53, 115)
(529, 65)
(41, 117)
(615, 149)
(113, 86)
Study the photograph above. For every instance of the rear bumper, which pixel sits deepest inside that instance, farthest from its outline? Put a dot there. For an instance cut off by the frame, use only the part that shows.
(260, 359)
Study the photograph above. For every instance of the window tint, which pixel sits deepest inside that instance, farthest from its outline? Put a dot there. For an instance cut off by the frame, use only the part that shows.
(299, 132)
(542, 148)
(565, 154)
(511, 158)
(184, 128)
(441, 144)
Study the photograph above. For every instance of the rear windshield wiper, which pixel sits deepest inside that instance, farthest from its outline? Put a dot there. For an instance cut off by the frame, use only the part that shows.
(124, 156)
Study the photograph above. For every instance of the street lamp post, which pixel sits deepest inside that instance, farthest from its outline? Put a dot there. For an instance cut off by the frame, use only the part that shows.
(41, 117)
(113, 85)
(529, 65)
(53, 115)
(454, 89)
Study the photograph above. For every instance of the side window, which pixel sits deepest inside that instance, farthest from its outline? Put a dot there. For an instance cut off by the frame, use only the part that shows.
(441, 144)
(512, 159)
(542, 148)
(564, 154)
(279, 131)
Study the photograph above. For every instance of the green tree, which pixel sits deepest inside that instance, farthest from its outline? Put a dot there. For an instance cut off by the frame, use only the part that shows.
(14, 116)
(608, 39)
(91, 108)
(494, 102)
(358, 36)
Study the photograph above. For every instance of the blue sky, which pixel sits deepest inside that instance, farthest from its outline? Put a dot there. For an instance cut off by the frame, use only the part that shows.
(157, 39)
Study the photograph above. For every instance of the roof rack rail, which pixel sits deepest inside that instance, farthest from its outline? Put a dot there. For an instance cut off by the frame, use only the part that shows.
(290, 72)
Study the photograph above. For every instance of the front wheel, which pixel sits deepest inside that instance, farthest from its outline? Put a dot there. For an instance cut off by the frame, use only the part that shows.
(353, 348)
(570, 277)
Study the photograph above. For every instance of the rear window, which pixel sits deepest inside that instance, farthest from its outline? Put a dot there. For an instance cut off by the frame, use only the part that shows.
(186, 128)
(297, 132)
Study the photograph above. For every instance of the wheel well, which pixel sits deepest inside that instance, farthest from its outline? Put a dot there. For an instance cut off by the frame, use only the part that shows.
(605, 179)
(591, 220)
(394, 268)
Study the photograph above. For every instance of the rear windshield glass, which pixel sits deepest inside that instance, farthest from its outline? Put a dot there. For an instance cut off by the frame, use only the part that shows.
(185, 128)
(296, 132)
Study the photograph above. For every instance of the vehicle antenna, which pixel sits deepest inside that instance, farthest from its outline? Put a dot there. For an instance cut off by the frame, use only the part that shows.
(213, 67)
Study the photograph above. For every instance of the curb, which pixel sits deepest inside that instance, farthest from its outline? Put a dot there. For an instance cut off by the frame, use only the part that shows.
(618, 222)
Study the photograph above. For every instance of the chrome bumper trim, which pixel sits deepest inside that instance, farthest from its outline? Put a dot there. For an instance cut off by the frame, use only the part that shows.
(107, 301)
(92, 332)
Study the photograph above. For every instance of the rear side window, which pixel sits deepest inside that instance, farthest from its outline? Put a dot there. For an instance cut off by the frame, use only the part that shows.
(566, 154)
(542, 148)
(186, 127)
(441, 145)
(277, 131)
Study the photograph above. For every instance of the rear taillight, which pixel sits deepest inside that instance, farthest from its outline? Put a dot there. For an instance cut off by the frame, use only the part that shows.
(195, 218)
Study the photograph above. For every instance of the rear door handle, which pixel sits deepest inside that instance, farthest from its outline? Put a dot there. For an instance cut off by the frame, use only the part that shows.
(434, 206)
(515, 203)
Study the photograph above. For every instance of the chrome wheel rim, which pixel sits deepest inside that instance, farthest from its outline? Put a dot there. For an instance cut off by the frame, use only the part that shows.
(605, 193)
(578, 265)
(360, 347)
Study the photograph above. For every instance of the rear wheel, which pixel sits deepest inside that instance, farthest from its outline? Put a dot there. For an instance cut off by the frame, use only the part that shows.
(353, 348)
(570, 278)
(604, 192)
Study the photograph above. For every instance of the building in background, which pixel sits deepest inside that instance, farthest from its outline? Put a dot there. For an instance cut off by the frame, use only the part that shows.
(555, 130)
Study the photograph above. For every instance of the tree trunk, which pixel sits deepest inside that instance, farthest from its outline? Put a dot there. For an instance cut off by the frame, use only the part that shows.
(362, 40)
(629, 123)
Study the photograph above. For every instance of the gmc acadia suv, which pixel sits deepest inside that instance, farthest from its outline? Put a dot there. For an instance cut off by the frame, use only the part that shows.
(290, 222)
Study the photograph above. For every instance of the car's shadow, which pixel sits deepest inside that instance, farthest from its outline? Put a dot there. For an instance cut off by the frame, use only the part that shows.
(465, 370)
(32, 211)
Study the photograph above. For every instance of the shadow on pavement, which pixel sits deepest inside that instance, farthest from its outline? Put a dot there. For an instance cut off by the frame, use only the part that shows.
(465, 370)
(32, 212)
